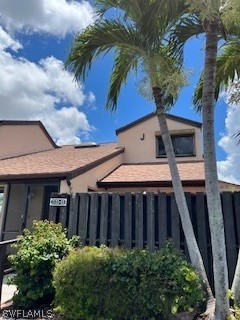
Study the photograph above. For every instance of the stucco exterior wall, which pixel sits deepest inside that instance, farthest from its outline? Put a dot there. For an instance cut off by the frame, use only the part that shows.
(89, 179)
(138, 149)
(16, 140)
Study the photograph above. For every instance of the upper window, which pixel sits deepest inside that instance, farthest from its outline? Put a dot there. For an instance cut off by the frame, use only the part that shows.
(183, 146)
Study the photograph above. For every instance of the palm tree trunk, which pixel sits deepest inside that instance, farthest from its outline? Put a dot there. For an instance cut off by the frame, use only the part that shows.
(236, 281)
(195, 255)
(212, 185)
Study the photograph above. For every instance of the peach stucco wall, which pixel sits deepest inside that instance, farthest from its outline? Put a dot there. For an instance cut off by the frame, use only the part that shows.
(137, 150)
(89, 179)
(16, 140)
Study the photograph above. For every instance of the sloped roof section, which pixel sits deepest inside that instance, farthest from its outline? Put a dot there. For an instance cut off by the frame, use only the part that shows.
(64, 162)
(153, 114)
(154, 174)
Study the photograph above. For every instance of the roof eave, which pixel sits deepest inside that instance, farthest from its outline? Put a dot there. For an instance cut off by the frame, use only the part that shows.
(132, 184)
(94, 164)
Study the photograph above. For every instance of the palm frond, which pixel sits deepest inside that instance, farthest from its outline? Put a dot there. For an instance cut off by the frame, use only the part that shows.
(125, 61)
(228, 67)
(100, 38)
(187, 27)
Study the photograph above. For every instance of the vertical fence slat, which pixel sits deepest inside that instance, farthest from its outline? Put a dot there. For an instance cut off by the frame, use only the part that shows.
(52, 215)
(128, 220)
(104, 218)
(139, 220)
(150, 221)
(115, 219)
(73, 211)
(64, 212)
(188, 197)
(202, 229)
(93, 218)
(237, 214)
(229, 233)
(175, 222)
(83, 216)
(162, 218)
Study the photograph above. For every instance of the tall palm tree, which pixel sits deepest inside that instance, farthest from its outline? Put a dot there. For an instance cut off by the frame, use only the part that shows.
(214, 16)
(138, 37)
(227, 72)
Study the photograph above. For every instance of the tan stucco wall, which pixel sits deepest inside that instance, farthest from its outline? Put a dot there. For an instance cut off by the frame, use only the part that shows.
(137, 150)
(16, 140)
(89, 179)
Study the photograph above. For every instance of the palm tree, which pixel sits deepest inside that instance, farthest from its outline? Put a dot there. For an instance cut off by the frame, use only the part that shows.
(139, 39)
(216, 18)
(227, 73)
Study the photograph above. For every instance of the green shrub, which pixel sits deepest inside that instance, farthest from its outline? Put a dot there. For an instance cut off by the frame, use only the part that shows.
(119, 284)
(37, 253)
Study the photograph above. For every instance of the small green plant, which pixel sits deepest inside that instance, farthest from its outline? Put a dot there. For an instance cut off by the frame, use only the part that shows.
(37, 253)
(125, 284)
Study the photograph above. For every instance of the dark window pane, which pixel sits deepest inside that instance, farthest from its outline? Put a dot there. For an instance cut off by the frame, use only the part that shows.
(161, 149)
(182, 145)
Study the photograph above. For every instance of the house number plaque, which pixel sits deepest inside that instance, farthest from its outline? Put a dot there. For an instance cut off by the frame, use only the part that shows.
(58, 202)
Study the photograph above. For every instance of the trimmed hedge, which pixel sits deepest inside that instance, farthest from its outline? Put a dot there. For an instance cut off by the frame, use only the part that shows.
(37, 253)
(102, 283)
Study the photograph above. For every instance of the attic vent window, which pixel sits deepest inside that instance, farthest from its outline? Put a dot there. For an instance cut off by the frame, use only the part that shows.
(183, 146)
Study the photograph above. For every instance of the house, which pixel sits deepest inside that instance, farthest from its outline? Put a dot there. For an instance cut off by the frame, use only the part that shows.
(32, 166)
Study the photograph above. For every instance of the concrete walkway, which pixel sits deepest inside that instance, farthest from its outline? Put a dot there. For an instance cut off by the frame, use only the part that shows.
(7, 291)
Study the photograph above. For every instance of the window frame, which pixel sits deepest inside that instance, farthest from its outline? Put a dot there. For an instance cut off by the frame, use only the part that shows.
(193, 154)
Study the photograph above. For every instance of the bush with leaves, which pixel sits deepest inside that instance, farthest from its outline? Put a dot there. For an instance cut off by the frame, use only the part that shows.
(38, 250)
(121, 284)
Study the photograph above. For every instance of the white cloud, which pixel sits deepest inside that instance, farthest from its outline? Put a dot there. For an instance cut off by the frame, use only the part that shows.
(6, 41)
(43, 91)
(229, 169)
(57, 17)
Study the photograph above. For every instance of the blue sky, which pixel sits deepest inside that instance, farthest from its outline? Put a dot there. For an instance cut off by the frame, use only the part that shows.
(35, 40)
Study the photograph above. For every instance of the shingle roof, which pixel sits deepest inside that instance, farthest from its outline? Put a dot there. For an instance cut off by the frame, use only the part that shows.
(154, 173)
(61, 162)
(153, 114)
